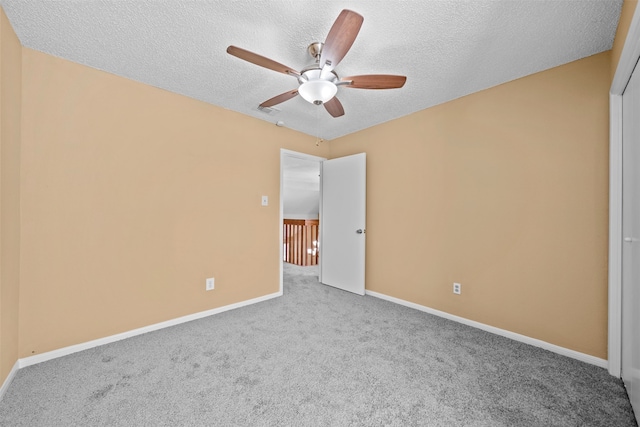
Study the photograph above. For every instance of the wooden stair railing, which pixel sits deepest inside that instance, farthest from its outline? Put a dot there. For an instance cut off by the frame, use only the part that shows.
(300, 241)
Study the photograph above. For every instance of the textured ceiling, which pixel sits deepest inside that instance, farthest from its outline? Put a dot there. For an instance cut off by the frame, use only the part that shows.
(447, 49)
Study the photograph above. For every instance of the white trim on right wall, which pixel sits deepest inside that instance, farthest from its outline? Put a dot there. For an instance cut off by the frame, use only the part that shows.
(587, 358)
(628, 59)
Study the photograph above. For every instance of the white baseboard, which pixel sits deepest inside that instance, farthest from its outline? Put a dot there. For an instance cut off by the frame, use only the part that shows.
(54, 354)
(508, 334)
(9, 379)
(32, 360)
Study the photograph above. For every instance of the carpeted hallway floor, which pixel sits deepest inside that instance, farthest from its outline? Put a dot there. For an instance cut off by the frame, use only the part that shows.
(317, 356)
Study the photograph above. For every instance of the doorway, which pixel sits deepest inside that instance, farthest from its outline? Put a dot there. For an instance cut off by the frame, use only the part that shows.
(299, 205)
(341, 199)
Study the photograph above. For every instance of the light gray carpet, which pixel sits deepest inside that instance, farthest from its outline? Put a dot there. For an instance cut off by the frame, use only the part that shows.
(316, 357)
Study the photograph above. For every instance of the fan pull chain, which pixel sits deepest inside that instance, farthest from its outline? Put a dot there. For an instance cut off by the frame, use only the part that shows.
(318, 139)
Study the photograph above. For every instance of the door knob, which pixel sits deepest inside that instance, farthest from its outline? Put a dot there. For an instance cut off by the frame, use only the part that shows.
(359, 231)
(631, 239)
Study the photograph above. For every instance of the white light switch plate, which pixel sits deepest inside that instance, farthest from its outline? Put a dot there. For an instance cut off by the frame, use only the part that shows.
(265, 200)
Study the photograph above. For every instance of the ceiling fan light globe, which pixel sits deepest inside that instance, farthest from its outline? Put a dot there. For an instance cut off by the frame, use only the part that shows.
(317, 90)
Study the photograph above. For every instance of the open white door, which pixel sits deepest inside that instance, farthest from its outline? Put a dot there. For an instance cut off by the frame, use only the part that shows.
(342, 222)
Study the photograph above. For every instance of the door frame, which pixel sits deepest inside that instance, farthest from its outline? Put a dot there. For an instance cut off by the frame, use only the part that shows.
(628, 60)
(295, 154)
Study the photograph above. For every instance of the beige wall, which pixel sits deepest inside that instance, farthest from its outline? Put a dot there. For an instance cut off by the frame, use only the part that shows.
(504, 191)
(132, 196)
(626, 14)
(10, 100)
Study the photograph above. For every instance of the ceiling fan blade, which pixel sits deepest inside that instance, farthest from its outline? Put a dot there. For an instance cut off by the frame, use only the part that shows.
(260, 60)
(334, 107)
(375, 81)
(279, 98)
(340, 38)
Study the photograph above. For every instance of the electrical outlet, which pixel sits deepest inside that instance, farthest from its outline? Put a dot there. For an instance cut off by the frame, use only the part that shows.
(210, 284)
(457, 288)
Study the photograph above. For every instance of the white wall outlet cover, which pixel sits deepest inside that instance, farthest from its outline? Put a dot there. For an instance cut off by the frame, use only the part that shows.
(457, 288)
(210, 284)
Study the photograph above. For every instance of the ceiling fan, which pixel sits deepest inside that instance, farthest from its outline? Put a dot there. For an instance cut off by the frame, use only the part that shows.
(318, 83)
